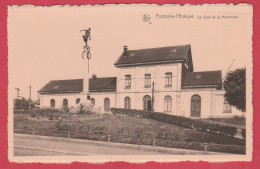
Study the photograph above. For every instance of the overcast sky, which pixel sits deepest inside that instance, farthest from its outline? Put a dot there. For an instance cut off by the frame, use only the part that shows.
(45, 43)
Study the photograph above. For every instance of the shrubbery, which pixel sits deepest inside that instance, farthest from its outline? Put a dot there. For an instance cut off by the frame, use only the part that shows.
(17, 111)
(62, 125)
(21, 104)
(243, 133)
(55, 114)
(49, 113)
(85, 108)
(178, 120)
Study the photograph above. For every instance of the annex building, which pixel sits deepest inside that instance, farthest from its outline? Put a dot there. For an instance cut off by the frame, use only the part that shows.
(160, 79)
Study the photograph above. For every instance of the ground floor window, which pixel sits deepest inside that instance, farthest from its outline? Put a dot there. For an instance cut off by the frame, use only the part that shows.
(227, 107)
(65, 102)
(195, 106)
(52, 103)
(167, 104)
(127, 103)
(106, 105)
(78, 100)
(147, 103)
(92, 100)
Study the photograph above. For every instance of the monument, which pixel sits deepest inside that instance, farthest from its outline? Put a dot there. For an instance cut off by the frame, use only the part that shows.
(86, 56)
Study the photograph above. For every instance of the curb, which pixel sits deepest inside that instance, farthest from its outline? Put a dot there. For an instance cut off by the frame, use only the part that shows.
(52, 150)
(113, 144)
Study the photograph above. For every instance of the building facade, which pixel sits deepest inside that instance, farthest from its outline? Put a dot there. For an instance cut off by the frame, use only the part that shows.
(157, 79)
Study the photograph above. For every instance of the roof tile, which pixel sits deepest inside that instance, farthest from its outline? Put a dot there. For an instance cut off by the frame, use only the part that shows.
(76, 85)
(171, 53)
(202, 78)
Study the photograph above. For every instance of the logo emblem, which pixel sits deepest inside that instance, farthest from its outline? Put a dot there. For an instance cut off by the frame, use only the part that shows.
(146, 17)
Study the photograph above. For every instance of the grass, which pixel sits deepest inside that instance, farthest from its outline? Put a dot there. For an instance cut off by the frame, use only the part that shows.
(128, 130)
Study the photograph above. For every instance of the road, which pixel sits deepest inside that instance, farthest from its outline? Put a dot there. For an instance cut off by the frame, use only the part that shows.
(33, 146)
(30, 145)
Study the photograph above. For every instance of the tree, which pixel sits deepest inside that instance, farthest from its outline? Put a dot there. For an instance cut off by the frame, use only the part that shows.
(235, 87)
(21, 104)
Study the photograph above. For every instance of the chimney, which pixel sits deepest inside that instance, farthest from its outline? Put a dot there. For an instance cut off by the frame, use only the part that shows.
(94, 76)
(125, 50)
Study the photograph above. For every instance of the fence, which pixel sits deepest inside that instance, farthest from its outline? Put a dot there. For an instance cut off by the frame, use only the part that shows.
(135, 140)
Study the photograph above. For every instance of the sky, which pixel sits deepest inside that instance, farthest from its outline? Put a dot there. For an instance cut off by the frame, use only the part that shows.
(45, 43)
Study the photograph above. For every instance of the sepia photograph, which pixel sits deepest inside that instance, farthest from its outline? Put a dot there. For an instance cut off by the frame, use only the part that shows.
(134, 83)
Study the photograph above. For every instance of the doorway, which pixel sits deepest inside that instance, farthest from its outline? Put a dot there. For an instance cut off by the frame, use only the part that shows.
(147, 102)
(195, 106)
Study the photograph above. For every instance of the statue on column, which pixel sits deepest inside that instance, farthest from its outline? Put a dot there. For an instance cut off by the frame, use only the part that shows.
(86, 37)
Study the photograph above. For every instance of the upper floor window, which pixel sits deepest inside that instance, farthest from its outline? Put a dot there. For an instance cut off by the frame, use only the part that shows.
(127, 81)
(168, 79)
(227, 107)
(147, 80)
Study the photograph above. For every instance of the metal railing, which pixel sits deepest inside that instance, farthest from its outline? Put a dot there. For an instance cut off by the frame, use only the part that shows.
(211, 147)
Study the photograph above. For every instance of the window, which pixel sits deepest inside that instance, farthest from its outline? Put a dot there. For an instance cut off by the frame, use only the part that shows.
(127, 81)
(52, 102)
(78, 100)
(168, 79)
(147, 80)
(106, 105)
(227, 107)
(65, 103)
(92, 100)
(147, 102)
(127, 103)
(195, 106)
(167, 104)
(198, 77)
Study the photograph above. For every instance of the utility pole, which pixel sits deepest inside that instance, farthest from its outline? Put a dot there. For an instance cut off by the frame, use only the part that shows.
(153, 97)
(228, 70)
(18, 92)
(30, 93)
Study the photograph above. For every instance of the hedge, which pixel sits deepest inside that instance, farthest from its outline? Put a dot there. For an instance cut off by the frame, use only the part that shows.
(178, 120)
(243, 133)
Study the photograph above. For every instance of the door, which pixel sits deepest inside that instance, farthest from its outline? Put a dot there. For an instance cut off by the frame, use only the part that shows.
(195, 106)
(147, 101)
(106, 105)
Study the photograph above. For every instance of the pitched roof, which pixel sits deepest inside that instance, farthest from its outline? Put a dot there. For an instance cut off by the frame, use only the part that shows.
(76, 85)
(153, 55)
(202, 79)
(102, 84)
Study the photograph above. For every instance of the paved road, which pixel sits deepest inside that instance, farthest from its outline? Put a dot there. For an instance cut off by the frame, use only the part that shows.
(29, 145)
(33, 146)
(32, 152)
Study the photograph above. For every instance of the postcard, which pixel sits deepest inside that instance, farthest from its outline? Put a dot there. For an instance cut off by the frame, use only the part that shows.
(130, 82)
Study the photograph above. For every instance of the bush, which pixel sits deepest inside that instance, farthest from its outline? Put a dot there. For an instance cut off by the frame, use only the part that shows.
(21, 111)
(49, 113)
(243, 133)
(178, 120)
(21, 104)
(63, 125)
(85, 108)
(33, 114)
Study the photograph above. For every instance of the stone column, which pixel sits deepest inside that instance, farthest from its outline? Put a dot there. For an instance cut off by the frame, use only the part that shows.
(85, 77)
